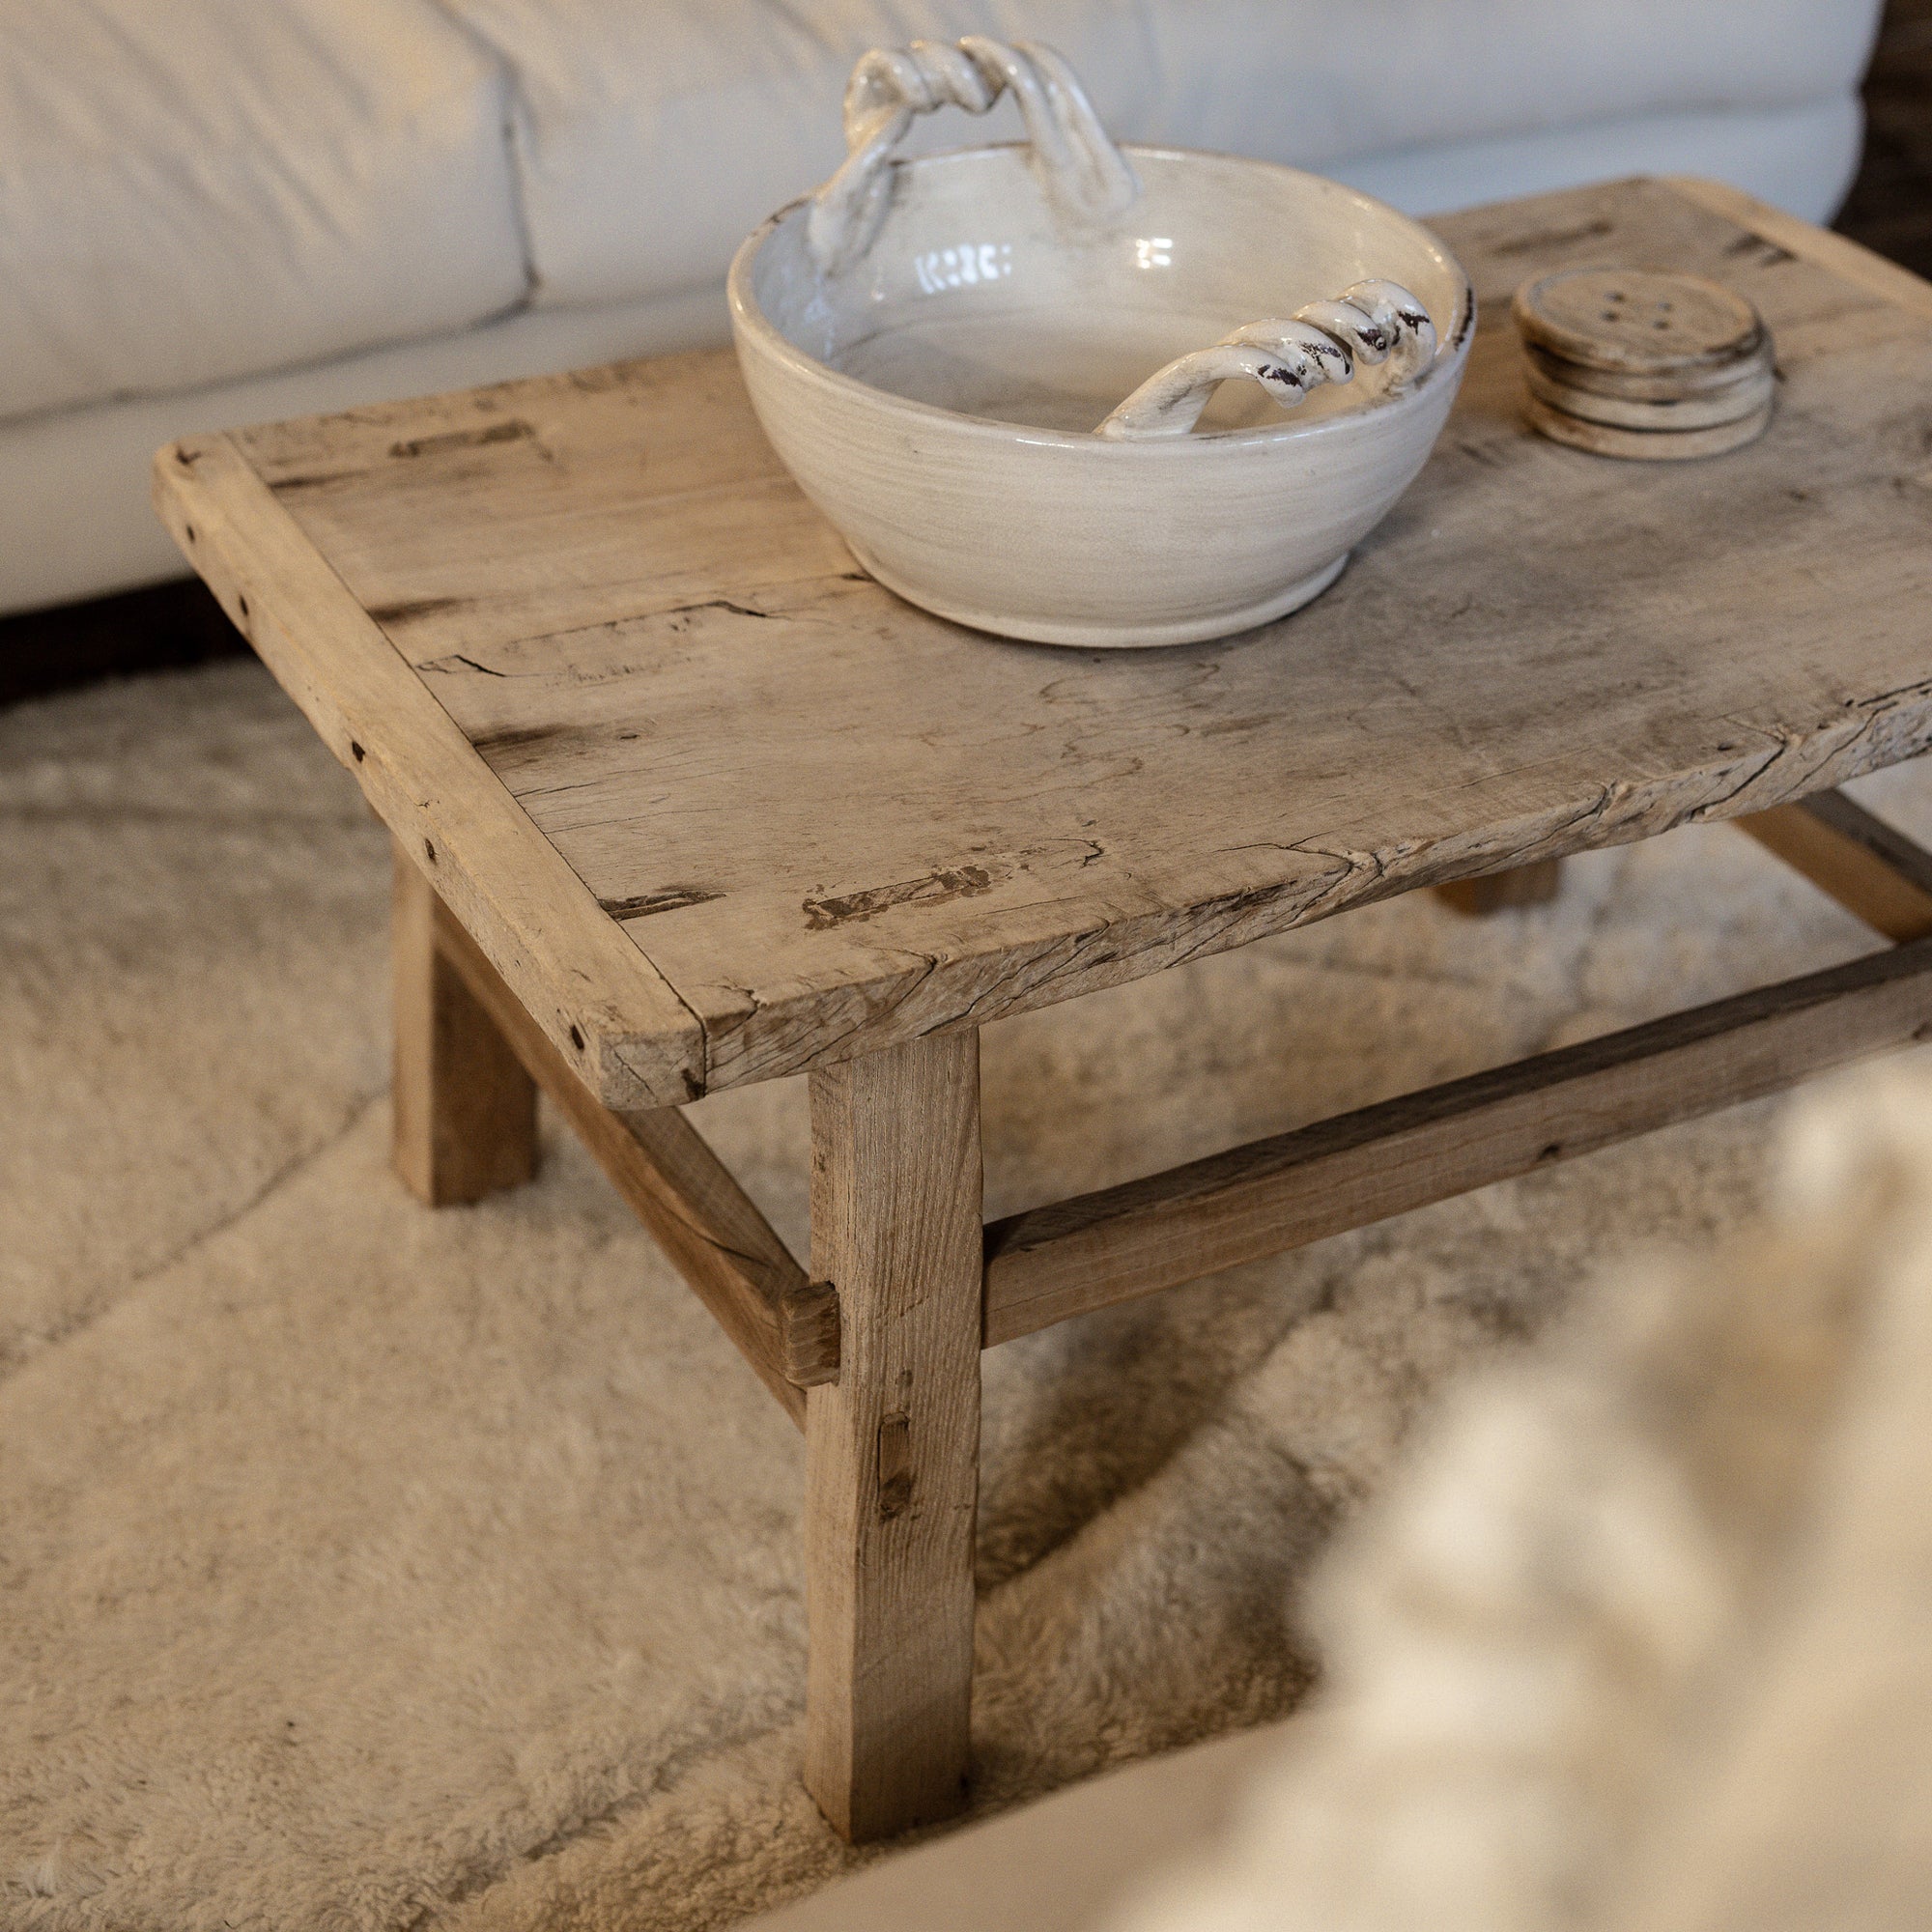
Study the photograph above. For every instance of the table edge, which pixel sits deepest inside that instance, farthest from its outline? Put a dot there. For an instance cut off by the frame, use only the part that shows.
(616, 1020)
(621, 1023)
(1836, 254)
(1837, 749)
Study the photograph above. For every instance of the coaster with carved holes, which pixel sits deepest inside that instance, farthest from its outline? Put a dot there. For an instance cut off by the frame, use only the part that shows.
(1673, 366)
(1637, 320)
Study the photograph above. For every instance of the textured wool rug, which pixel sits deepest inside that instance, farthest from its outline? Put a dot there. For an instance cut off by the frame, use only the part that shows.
(365, 1567)
(1634, 1638)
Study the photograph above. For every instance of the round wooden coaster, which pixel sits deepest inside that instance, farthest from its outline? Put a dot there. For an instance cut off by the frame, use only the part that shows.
(1699, 380)
(1708, 410)
(1638, 321)
(1646, 445)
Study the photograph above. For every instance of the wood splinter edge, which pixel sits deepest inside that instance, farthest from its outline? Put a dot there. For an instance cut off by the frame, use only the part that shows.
(809, 1333)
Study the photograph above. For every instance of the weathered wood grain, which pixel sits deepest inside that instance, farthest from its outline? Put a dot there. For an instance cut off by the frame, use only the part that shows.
(609, 1012)
(1874, 872)
(499, 515)
(702, 805)
(1344, 1172)
(810, 1333)
(706, 1224)
(1838, 253)
(834, 824)
(464, 1110)
(892, 1447)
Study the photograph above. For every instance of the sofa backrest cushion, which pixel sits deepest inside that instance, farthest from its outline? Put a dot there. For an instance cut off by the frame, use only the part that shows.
(652, 139)
(208, 188)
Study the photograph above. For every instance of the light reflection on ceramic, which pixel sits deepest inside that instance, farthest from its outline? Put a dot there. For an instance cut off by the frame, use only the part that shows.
(963, 266)
(949, 392)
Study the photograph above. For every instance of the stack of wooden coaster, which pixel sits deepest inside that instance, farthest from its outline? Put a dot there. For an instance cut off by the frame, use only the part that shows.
(1633, 363)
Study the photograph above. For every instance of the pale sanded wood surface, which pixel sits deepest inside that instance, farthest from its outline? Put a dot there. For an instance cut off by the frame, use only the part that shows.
(834, 824)
(1256, 1199)
(1838, 253)
(604, 1006)
(706, 1224)
(464, 1109)
(892, 1447)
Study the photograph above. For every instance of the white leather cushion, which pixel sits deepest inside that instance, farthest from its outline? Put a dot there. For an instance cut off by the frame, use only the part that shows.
(192, 190)
(652, 139)
(1260, 76)
(1800, 158)
(74, 519)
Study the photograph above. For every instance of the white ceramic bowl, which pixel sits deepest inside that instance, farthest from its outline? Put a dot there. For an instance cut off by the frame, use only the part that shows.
(932, 347)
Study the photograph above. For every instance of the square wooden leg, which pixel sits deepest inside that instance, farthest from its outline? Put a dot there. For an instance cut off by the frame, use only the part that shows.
(1535, 884)
(893, 1446)
(465, 1110)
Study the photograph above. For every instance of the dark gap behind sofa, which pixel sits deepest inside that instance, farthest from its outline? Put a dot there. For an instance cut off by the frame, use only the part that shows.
(1889, 209)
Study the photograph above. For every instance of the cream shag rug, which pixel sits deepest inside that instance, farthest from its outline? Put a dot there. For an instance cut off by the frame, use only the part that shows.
(365, 1567)
(1633, 1638)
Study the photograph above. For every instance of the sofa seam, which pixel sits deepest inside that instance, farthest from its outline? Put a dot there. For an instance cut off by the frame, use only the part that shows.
(515, 130)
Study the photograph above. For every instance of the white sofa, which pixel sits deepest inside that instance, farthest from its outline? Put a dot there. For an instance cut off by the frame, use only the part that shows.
(213, 211)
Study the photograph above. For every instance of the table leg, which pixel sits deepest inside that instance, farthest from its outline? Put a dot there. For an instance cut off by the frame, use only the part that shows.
(893, 1446)
(1535, 884)
(464, 1111)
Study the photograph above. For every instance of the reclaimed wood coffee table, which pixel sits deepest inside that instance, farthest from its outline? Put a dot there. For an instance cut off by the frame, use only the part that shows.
(682, 800)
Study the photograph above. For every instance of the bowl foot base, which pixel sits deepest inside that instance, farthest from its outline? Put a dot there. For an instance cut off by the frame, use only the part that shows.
(1114, 636)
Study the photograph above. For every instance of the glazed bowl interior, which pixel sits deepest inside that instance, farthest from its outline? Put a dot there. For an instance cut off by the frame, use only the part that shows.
(975, 300)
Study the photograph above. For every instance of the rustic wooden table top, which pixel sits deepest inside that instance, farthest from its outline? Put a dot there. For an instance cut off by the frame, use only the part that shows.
(720, 809)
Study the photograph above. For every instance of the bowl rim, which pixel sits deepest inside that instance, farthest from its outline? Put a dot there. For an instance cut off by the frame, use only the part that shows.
(748, 319)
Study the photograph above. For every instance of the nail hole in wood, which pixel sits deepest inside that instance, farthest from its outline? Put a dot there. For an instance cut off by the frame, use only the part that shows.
(577, 1039)
(895, 1465)
(429, 850)
(243, 604)
(188, 530)
(355, 751)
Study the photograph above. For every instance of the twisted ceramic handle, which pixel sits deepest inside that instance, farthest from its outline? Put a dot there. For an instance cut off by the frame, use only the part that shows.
(1373, 322)
(1081, 171)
